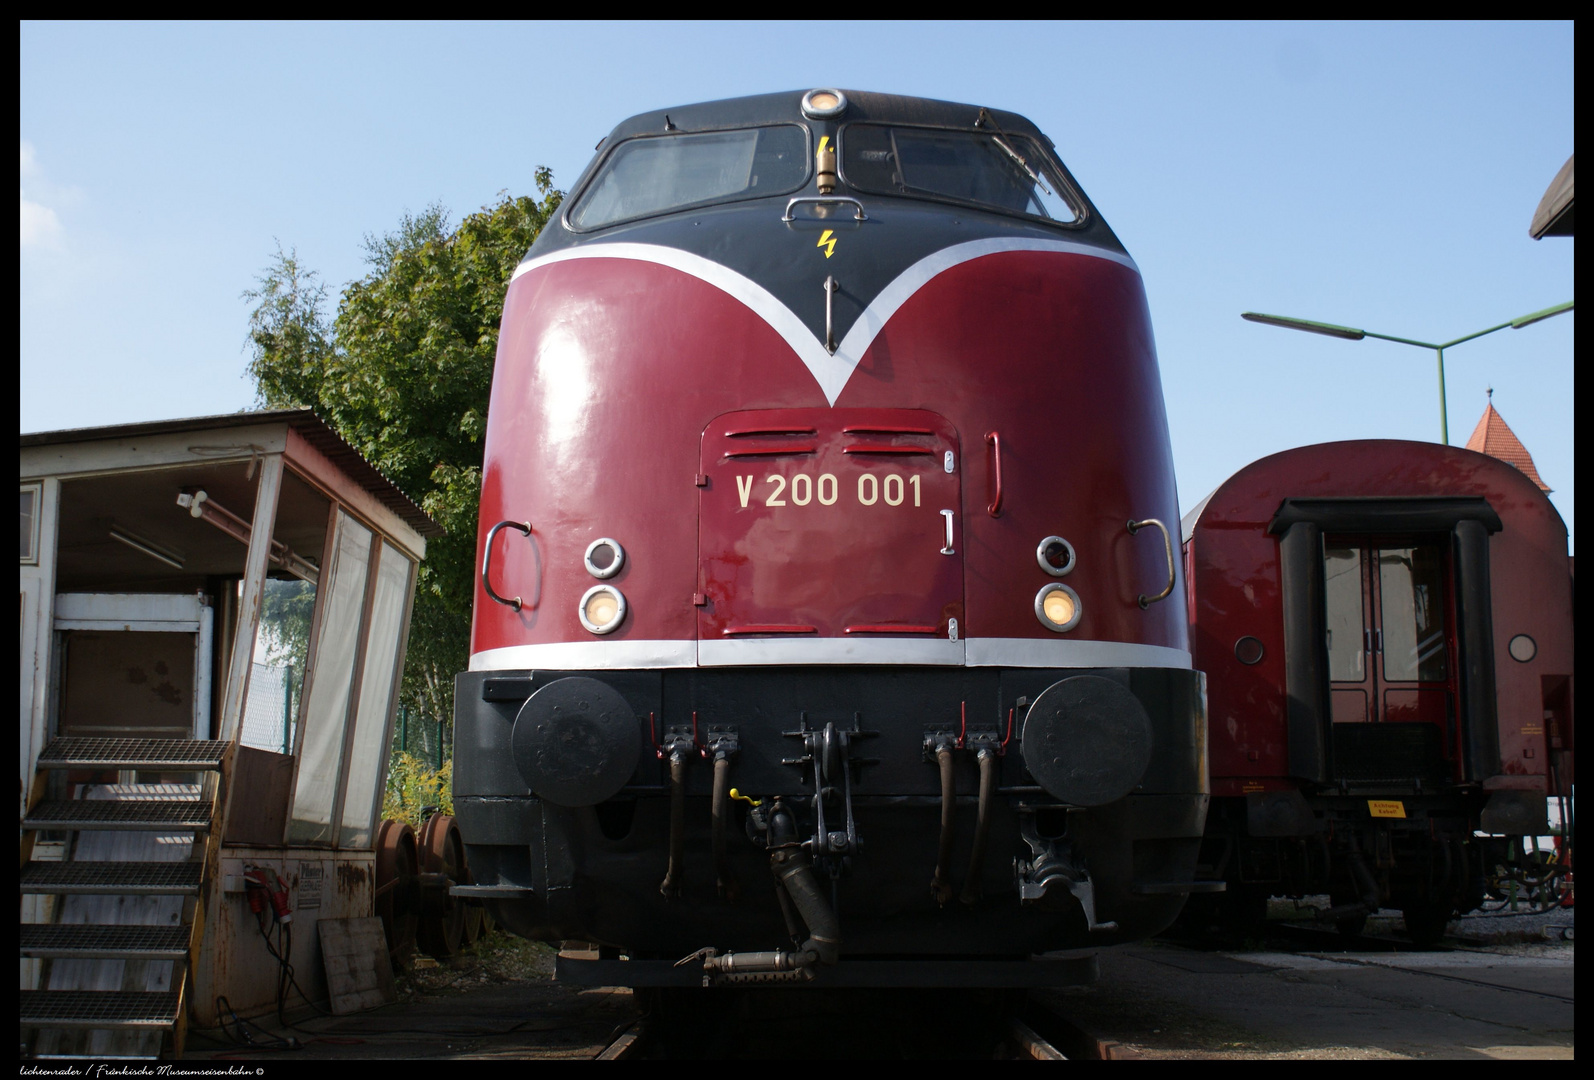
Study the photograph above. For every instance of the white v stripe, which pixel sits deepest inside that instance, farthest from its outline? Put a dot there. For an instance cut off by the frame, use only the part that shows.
(831, 372)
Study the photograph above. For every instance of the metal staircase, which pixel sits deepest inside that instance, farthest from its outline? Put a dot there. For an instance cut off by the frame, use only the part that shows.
(108, 920)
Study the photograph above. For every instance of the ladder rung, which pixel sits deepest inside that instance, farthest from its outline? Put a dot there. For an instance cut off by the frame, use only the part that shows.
(86, 942)
(99, 1008)
(178, 754)
(166, 815)
(113, 878)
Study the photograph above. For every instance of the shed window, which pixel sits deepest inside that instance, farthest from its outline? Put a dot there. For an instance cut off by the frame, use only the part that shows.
(330, 683)
(30, 523)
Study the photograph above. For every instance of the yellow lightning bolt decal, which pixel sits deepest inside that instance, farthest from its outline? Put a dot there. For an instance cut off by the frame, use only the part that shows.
(827, 242)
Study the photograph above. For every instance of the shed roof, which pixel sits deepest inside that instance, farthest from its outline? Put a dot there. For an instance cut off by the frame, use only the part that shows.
(311, 427)
(1554, 214)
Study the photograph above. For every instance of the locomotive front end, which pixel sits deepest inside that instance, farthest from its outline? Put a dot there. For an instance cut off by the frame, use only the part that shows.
(829, 625)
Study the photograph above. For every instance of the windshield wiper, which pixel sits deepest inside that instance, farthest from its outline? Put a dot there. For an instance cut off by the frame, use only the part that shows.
(1000, 139)
(1014, 154)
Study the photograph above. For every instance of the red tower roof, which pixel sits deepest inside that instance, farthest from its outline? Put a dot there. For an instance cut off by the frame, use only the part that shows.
(1493, 436)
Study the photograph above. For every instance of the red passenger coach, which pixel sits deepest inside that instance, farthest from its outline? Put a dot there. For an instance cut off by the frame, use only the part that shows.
(1387, 627)
(827, 462)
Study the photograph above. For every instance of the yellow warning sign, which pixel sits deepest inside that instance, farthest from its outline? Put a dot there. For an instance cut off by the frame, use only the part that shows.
(827, 241)
(1386, 808)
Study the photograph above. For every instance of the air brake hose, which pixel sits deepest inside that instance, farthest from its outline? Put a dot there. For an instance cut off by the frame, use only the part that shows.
(982, 826)
(671, 886)
(718, 809)
(940, 883)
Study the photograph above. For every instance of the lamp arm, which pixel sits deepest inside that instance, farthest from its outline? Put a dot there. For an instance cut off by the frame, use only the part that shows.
(1469, 337)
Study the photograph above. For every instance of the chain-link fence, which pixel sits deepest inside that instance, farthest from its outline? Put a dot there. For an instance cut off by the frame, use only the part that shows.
(426, 739)
(269, 714)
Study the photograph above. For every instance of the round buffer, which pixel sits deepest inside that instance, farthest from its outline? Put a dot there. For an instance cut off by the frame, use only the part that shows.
(576, 742)
(1087, 740)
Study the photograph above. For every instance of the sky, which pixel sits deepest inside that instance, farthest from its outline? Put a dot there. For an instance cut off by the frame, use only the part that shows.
(1374, 175)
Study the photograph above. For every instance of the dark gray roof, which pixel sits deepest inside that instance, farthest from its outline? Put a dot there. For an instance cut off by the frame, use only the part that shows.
(1554, 215)
(315, 431)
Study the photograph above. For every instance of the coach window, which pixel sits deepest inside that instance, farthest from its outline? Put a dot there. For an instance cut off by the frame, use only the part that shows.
(657, 174)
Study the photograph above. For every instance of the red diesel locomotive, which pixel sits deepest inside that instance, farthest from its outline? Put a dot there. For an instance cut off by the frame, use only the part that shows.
(821, 631)
(1387, 627)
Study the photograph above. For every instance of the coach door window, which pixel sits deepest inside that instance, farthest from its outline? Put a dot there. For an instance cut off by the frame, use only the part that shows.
(1342, 581)
(1411, 594)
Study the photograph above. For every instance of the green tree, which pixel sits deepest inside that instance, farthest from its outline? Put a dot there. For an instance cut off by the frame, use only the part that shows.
(403, 373)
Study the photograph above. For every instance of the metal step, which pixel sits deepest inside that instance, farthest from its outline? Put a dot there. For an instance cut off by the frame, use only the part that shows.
(86, 942)
(100, 1008)
(113, 878)
(171, 754)
(150, 815)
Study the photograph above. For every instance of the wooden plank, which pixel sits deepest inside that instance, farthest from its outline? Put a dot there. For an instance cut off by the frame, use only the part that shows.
(359, 974)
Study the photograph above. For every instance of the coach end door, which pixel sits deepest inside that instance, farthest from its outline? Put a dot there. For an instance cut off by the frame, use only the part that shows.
(1391, 643)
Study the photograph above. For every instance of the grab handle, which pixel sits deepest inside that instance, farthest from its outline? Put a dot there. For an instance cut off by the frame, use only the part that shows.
(857, 207)
(487, 559)
(1167, 545)
(994, 441)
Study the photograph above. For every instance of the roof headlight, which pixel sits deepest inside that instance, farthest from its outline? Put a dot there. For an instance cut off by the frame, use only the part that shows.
(824, 104)
(1057, 607)
(602, 609)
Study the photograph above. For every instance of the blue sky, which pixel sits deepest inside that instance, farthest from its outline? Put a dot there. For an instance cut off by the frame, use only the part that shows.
(1375, 175)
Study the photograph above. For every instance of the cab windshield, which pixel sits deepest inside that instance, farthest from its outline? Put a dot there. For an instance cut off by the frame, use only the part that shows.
(1010, 173)
(657, 174)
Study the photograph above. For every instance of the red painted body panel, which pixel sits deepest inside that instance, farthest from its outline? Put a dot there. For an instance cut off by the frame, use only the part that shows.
(1233, 568)
(797, 527)
(609, 370)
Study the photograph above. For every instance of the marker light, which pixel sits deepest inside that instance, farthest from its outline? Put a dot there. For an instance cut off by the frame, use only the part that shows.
(1055, 555)
(604, 558)
(602, 609)
(1057, 607)
(824, 104)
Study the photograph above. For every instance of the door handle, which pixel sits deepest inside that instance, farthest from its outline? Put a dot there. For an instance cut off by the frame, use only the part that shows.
(487, 559)
(946, 549)
(1379, 638)
(993, 439)
(1368, 640)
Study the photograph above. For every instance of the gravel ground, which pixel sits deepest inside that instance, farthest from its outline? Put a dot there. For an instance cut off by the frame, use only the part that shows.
(496, 959)
(1494, 930)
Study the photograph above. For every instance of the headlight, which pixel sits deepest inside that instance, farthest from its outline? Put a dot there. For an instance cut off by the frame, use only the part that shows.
(824, 104)
(602, 609)
(1057, 607)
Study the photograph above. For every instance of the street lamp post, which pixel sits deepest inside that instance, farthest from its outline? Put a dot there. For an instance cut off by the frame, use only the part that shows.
(1351, 334)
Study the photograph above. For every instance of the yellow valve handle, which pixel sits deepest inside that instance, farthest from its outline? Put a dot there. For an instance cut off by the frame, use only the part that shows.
(737, 795)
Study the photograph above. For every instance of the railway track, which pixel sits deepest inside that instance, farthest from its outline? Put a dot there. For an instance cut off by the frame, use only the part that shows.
(878, 1025)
